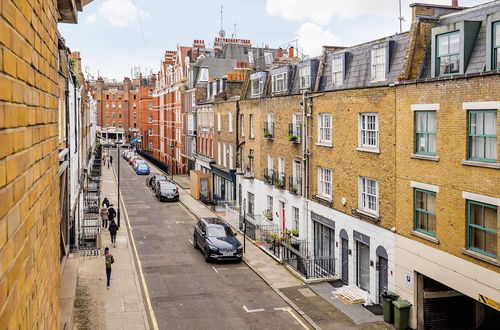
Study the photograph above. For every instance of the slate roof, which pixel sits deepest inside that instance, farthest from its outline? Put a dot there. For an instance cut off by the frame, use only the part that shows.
(477, 62)
(358, 73)
(217, 68)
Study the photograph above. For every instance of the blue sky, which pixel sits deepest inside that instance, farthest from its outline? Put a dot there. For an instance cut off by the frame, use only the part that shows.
(115, 35)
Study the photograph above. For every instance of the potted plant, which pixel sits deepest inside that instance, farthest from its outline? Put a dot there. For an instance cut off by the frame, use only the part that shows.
(293, 138)
(268, 134)
(294, 190)
(295, 232)
(250, 156)
(268, 214)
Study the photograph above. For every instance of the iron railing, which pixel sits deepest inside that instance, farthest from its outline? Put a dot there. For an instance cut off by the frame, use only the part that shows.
(295, 185)
(269, 176)
(279, 181)
(294, 132)
(269, 130)
(311, 267)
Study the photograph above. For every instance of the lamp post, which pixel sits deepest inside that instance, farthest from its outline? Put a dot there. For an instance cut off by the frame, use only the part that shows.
(118, 212)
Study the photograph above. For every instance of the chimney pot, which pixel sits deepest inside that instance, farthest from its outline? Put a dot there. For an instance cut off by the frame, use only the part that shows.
(280, 52)
(290, 51)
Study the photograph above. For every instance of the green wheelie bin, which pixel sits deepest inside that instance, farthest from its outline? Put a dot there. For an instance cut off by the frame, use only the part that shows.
(387, 298)
(401, 314)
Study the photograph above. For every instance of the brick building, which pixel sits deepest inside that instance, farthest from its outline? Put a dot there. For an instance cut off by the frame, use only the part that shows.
(30, 242)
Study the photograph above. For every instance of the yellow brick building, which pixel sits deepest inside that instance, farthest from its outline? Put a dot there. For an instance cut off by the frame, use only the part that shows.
(29, 182)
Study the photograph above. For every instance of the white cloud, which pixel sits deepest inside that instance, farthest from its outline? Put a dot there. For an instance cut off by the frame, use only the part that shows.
(312, 38)
(322, 11)
(121, 13)
(91, 18)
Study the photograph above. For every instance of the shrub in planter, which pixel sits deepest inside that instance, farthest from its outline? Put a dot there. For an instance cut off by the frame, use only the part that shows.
(268, 134)
(293, 138)
(295, 232)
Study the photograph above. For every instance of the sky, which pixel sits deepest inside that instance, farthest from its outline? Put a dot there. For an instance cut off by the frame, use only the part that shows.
(113, 36)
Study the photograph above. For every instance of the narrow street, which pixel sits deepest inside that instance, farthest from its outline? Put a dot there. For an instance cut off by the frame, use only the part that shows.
(185, 291)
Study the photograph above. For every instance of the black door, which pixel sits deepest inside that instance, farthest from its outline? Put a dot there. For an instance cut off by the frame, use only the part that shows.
(382, 276)
(345, 261)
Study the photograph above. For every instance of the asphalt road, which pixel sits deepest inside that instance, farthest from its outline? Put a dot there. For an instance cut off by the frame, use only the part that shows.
(185, 291)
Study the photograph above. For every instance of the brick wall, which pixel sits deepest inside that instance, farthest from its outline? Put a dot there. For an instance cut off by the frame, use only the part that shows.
(448, 173)
(29, 210)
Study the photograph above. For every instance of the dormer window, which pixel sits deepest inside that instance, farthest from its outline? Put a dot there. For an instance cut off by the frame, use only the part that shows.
(337, 70)
(448, 53)
(305, 77)
(268, 57)
(250, 57)
(378, 67)
(279, 82)
(203, 74)
(496, 45)
(257, 86)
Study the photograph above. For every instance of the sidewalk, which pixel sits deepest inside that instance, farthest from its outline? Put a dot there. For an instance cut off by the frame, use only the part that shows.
(121, 306)
(314, 302)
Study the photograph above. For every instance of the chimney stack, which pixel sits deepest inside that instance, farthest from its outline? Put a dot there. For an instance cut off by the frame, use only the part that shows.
(454, 3)
(290, 51)
(280, 52)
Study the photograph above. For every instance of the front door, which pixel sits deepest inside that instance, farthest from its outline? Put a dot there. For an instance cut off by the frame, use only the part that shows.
(363, 266)
(204, 189)
(382, 276)
(345, 261)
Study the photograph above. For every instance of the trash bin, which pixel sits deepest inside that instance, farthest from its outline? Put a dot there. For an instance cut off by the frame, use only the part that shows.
(387, 298)
(401, 314)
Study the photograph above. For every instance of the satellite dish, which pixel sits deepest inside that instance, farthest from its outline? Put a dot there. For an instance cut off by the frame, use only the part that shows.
(222, 33)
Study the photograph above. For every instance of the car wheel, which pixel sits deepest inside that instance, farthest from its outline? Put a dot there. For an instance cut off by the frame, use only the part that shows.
(195, 243)
(207, 255)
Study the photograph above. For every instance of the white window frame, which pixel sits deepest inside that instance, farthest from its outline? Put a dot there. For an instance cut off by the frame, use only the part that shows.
(230, 122)
(251, 59)
(337, 71)
(218, 122)
(150, 119)
(259, 89)
(270, 162)
(203, 74)
(231, 163)
(252, 126)
(150, 132)
(379, 64)
(305, 77)
(278, 78)
(296, 218)
(325, 129)
(242, 125)
(268, 57)
(281, 167)
(366, 133)
(365, 192)
(219, 153)
(224, 155)
(150, 105)
(325, 180)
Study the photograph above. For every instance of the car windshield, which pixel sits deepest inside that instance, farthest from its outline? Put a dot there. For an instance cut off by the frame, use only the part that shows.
(167, 186)
(160, 177)
(219, 231)
(142, 166)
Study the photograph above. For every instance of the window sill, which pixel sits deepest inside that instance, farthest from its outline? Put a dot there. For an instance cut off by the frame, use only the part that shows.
(329, 145)
(366, 149)
(368, 214)
(324, 198)
(480, 164)
(425, 157)
(425, 236)
(481, 257)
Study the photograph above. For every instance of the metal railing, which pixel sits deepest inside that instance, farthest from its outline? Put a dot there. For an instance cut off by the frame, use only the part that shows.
(294, 132)
(312, 267)
(295, 185)
(279, 181)
(269, 130)
(269, 176)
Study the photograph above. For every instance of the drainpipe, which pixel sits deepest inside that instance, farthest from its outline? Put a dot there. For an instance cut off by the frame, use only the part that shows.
(305, 163)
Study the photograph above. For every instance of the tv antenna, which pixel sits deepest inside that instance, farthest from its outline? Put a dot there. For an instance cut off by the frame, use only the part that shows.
(222, 33)
(400, 18)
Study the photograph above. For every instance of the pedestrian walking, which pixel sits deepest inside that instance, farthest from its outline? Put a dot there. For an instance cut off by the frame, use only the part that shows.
(111, 212)
(105, 201)
(110, 160)
(113, 228)
(104, 159)
(108, 258)
(104, 216)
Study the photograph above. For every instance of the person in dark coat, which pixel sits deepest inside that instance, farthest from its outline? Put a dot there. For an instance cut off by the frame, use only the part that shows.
(111, 160)
(113, 228)
(106, 202)
(108, 258)
(111, 212)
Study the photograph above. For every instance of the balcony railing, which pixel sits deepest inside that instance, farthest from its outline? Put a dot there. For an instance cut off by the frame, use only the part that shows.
(279, 181)
(269, 175)
(295, 185)
(294, 132)
(269, 130)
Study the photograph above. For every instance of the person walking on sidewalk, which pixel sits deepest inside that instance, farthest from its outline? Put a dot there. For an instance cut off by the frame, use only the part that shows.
(104, 159)
(108, 258)
(113, 228)
(111, 212)
(104, 216)
(110, 160)
(105, 202)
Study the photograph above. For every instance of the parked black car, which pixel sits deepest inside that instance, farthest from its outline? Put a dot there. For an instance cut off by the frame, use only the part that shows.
(216, 240)
(151, 180)
(166, 190)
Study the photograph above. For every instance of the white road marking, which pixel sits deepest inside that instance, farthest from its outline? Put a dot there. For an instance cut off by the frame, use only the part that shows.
(190, 241)
(253, 310)
(284, 309)
(215, 269)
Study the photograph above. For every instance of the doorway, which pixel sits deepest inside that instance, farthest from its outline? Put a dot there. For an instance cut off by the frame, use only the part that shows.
(363, 266)
(345, 261)
(383, 271)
